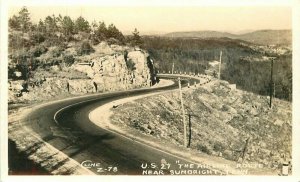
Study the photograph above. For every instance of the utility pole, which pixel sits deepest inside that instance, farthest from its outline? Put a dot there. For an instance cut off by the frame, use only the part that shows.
(190, 130)
(220, 63)
(274, 89)
(183, 114)
(271, 83)
(173, 68)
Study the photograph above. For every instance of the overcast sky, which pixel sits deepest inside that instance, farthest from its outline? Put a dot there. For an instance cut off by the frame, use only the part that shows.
(169, 19)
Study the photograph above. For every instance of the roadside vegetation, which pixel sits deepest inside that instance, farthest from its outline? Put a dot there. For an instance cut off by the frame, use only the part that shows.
(221, 121)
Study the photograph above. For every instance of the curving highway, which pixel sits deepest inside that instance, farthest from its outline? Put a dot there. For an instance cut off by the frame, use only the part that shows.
(66, 126)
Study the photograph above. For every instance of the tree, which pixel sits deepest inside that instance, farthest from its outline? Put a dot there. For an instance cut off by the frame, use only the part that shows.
(67, 26)
(136, 38)
(41, 26)
(14, 23)
(38, 35)
(24, 19)
(94, 26)
(82, 25)
(101, 31)
(50, 24)
(59, 21)
(93, 37)
(113, 32)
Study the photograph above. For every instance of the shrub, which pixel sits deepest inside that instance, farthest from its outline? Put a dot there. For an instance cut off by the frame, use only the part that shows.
(219, 147)
(26, 67)
(125, 55)
(54, 40)
(94, 40)
(38, 50)
(11, 72)
(56, 51)
(204, 149)
(37, 37)
(17, 41)
(68, 60)
(20, 56)
(111, 41)
(85, 48)
(80, 36)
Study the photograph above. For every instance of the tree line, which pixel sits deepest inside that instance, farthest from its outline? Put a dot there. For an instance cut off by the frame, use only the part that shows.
(64, 28)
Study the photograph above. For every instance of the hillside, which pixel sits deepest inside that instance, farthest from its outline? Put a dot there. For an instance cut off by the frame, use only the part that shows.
(60, 57)
(263, 37)
(106, 69)
(224, 122)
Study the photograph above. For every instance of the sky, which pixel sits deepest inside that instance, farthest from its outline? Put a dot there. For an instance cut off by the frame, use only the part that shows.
(172, 19)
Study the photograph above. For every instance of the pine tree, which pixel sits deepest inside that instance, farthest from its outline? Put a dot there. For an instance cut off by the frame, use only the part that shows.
(59, 20)
(50, 24)
(67, 26)
(41, 26)
(14, 23)
(24, 19)
(113, 32)
(82, 25)
(136, 38)
(101, 32)
(94, 26)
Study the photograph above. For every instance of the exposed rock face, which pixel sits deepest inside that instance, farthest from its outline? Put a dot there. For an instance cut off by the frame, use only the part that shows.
(109, 68)
(112, 72)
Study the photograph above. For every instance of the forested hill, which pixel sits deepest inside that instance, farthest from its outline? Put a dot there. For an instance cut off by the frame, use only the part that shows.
(243, 63)
(264, 37)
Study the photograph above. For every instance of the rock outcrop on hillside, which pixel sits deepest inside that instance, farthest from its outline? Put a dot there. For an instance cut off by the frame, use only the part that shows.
(113, 72)
(109, 68)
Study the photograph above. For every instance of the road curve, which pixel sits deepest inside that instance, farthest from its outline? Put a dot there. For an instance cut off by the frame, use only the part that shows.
(66, 126)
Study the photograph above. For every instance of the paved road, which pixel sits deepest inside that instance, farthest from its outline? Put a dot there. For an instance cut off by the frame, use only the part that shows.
(75, 135)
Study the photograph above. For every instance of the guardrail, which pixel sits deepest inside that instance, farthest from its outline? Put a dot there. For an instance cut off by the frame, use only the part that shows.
(205, 77)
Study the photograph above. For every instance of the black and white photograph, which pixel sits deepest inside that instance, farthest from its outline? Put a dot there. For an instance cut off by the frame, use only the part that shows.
(149, 90)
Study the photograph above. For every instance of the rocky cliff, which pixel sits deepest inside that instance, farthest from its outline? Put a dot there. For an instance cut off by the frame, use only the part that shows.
(118, 71)
(109, 68)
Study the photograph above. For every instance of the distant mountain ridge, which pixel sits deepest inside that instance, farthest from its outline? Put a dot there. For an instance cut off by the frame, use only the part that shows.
(201, 34)
(268, 37)
(264, 37)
